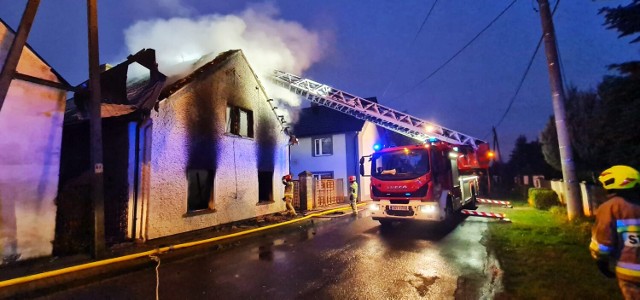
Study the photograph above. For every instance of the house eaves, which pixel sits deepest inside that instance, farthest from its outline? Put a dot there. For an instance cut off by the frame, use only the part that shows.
(61, 84)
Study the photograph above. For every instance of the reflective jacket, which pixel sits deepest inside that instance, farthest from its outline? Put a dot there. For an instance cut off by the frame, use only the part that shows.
(353, 191)
(616, 234)
(288, 188)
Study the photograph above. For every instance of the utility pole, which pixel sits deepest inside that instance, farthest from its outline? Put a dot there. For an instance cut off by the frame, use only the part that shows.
(574, 205)
(95, 132)
(496, 145)
(19, 40)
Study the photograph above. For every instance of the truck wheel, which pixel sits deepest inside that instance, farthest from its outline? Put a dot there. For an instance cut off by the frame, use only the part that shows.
(473, 204)
(449, 215)
(385, 223)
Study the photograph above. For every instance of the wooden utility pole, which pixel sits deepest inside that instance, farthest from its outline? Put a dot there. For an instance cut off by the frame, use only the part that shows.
(19, 40)
(572, 192)
(95, 132)
(496, 145)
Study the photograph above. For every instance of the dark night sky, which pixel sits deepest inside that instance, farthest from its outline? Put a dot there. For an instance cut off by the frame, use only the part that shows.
(368, 49)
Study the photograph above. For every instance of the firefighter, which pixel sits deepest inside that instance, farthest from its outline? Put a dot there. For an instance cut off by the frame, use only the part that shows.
(353, 194)
(288, 194)
(616, 234)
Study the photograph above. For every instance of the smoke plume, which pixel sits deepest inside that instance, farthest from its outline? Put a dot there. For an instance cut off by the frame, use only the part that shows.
(268, 42)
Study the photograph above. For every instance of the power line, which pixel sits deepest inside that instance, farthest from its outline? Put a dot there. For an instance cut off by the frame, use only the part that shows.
(424, 21)
(524, 76)
(459, 51)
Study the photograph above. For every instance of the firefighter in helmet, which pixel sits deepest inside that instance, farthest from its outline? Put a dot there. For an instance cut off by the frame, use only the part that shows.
(353, 194)
(616, 232)
(288, 194)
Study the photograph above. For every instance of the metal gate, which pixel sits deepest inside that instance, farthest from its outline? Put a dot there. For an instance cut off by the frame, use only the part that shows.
(328, 192)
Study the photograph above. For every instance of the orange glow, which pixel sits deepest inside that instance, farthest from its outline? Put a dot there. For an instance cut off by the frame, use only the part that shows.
(429, 128)
(490, 154)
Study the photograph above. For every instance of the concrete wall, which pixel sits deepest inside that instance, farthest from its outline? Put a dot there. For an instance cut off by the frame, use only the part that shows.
(30, 135)
(188, 131)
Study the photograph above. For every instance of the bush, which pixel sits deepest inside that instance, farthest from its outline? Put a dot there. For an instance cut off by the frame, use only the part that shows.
(542, 198)
(558, 210)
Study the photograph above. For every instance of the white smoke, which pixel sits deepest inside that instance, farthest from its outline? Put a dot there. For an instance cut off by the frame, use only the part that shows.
(269, 43)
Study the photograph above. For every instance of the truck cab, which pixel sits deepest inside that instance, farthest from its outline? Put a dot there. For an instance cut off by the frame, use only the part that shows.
(418, 182)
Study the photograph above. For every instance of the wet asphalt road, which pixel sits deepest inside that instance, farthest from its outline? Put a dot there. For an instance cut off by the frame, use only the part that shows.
(335, 258)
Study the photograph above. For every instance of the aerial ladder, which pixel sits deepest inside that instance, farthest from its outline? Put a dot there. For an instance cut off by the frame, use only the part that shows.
(375, 113)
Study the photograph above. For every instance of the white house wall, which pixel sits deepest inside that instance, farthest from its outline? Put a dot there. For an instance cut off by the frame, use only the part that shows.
(30, 140)
(303, 160)
(366, 139)
(235, 159)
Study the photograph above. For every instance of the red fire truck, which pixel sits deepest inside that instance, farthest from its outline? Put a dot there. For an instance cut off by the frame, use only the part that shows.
(424, 182)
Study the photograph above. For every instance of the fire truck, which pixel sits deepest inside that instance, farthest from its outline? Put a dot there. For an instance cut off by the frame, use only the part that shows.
(429, 181)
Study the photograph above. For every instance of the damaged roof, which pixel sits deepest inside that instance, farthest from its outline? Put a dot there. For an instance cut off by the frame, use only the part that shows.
(122, 91)
(217, 62)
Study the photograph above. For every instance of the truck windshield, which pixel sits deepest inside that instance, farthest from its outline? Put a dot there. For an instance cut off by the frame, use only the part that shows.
(399, 165)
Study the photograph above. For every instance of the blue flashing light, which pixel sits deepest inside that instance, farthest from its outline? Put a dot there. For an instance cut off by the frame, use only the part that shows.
(376, 147)
(407, 194)
(432, 140)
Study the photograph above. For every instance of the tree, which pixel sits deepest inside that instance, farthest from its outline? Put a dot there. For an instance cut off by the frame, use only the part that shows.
(584, 117)
(625, 20)
(621, 125)
(604, 127)
(527, 159)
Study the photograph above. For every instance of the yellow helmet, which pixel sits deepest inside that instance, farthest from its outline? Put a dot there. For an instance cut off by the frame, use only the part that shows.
(619, 178)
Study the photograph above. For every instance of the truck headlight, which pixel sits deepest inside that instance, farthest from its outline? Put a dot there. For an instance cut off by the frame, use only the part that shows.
(427, 209)
(374, 207)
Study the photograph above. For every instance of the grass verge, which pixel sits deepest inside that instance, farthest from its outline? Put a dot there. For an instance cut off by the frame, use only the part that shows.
(545, 256)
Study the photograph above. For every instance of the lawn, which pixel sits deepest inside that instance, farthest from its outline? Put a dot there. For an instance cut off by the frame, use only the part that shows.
(545, 256)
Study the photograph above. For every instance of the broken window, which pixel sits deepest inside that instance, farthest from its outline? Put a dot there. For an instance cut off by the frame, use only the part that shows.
(199, 195)
(265, 186)
(239, 121)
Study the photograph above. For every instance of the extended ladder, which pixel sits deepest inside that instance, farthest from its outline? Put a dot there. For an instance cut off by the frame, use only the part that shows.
(370, 111)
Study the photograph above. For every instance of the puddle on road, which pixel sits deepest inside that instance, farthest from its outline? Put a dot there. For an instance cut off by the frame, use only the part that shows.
(421, 283)
(266, 249)
(265, 252)
(494, 273)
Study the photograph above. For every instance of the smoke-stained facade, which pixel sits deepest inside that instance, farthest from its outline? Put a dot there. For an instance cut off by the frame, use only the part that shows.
(30, 137)
(218, 150)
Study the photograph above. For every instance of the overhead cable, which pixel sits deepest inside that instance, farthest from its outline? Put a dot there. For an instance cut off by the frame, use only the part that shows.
(524, 76)
(459, 51)
(410, 45)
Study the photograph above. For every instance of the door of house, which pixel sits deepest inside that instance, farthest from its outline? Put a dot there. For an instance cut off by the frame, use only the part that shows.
(328, 192)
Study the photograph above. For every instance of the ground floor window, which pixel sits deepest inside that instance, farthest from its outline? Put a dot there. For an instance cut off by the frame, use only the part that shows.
(322, 175)
(200, 193)
(265, 186)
